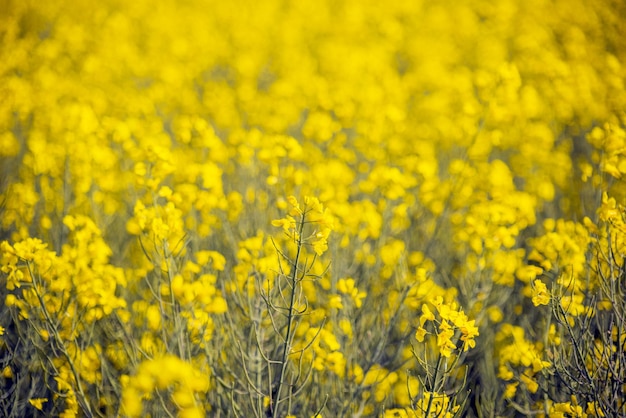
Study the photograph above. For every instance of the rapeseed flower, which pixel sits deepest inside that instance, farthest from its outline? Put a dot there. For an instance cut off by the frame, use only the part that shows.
(540, 293)
(38, 402)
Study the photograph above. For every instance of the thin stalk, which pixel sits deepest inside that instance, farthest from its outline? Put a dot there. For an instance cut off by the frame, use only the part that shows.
(290, 318)
(178, 326)
(434, 386)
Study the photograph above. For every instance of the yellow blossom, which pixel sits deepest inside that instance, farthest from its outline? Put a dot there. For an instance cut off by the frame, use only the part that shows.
(38, 402)
(420, 334)
(540, 293)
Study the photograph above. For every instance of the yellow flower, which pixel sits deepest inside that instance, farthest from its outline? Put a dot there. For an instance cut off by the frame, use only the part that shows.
(320, 246)
(530, 383)
(469, 331)
(287, 223)
(335, 302)
(505, 373)
(444, 339)
(347, 286)
(540, 293)
(566, 409)
(594, 409)
(420, 334)
(495, 314)
(510, 390)
(153, 317)
(330, 340)
(38, 402)
(528, 273)
(346, 327)
(183, 398)
(295, 206)
(427, 315)
(45, 335)
(132, 404)
(194, 412)
(336, 363)
(217, 259)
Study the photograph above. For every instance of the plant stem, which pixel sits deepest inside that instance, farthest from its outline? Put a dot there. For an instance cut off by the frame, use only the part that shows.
(434, 386)
(290, 318)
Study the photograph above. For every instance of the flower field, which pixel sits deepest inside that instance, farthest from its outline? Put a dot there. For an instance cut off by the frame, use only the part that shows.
(313, 208)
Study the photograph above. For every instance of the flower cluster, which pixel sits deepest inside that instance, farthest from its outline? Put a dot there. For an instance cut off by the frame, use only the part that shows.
(316, 215)
(521, 360)
(449, 322)
(169, 376)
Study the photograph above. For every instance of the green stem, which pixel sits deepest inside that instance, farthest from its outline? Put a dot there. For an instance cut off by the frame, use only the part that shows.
(434, 386)
(290, 319)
